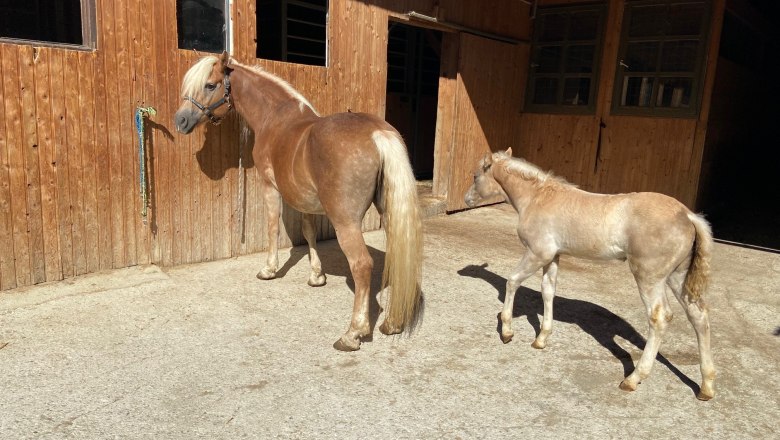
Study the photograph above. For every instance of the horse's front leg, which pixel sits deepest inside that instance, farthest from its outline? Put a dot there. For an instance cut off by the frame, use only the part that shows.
(273, 202)
(317, 277)
(549, 280)
(529, 264)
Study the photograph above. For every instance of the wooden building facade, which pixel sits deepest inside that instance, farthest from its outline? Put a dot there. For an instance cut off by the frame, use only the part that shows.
(453, 75)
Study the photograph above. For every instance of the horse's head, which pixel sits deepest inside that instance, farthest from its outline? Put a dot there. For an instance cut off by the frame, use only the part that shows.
(206, 93)
(485, 185)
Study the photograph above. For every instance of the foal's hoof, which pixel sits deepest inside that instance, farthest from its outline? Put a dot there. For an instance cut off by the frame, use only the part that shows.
(346, 345)
(316, 280)
(538, 345)
(389, 329)
(704, 396)
(266, 274)
(625, 386)
(506, 338)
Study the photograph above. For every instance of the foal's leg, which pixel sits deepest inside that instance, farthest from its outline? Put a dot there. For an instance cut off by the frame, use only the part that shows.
(653, 296)
(549, 280)
(529, 264)
(317, 277)
(361, 264)
(699, 317)
(273, 202)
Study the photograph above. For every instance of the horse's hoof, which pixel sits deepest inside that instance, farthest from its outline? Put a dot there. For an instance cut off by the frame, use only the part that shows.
(538, 345)
(316, 281)
(625, 386)
(701, 395)
(388, 329)
(266, 274)
(506, 338)
(342, 345)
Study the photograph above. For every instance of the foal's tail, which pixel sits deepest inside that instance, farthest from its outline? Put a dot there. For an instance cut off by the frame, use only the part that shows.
(698, 276)
(397, 198)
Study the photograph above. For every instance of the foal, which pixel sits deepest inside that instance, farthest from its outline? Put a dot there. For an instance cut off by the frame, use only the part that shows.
(665, 244)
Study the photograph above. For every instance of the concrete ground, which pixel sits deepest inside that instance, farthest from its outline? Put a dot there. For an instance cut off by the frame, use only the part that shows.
(209, 351)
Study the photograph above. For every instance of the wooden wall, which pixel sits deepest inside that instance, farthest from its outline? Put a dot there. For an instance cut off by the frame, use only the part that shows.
(69, 189)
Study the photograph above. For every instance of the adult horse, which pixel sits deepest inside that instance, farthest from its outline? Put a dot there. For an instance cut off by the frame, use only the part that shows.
(334, 165)
(666, 246)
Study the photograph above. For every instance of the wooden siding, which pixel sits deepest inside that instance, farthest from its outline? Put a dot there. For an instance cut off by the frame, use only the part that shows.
(69, 185)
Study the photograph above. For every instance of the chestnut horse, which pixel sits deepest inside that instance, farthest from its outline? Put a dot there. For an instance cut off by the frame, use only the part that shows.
(334, 165)
(666, 245)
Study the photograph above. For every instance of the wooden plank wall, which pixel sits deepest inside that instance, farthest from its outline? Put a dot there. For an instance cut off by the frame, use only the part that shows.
(69, 189)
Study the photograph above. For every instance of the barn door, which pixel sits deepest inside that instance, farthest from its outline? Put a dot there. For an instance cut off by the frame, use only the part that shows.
(487, 104)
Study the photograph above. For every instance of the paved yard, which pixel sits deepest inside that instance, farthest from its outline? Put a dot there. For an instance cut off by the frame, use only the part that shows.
(209, 351)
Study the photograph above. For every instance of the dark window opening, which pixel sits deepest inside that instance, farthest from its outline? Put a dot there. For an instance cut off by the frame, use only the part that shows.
(564, 60)
(661, 58)
(53, 21)
(293, 30)
(202, 25)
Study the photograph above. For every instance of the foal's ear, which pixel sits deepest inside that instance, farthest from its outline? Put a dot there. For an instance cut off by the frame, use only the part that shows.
(509, 151)
(487, 161)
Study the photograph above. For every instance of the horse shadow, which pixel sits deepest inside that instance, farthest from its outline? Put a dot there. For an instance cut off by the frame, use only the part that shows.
(222, 149)
(601, 324)
(335, 264)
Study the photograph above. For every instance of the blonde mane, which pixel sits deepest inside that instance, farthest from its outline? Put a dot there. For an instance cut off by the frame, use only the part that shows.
(196, 77)
(528, 171)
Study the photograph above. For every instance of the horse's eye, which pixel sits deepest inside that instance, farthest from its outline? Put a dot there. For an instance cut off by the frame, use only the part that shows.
(210, 87)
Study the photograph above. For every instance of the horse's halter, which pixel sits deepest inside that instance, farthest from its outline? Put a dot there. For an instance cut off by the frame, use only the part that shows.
(209, 111)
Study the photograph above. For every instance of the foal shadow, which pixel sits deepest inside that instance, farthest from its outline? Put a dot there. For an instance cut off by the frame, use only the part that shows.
(595, 320)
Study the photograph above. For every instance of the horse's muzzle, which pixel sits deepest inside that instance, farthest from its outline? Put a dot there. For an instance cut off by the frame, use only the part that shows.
(185, 121)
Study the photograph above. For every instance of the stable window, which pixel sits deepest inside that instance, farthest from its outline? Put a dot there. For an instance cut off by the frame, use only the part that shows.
(51, 22)
(565, 53)
(293, 30)
(202, 25)
(661, 58)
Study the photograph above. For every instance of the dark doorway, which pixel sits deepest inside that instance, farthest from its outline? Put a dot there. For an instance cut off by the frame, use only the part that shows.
(740, 194)
(413, 60)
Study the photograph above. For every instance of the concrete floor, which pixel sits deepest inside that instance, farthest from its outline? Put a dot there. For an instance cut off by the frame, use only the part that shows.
(209, 351)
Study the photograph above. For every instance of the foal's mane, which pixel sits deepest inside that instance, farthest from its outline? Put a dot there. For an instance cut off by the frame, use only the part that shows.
(529, 172)
(199, 73)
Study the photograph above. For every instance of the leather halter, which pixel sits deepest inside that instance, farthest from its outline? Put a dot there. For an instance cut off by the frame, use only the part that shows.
(209, 111)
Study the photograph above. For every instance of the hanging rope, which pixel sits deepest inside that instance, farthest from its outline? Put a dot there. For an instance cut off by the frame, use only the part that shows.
(140, 114)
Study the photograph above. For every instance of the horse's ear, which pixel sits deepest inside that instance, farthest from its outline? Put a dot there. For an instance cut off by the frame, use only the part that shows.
(509, 151)
(224, 60)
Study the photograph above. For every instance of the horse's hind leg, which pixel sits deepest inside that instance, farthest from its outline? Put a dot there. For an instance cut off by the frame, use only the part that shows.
(273, 202)
(361, 265)
(549, 280)
(653, 296)
(529, 264)
(699, 317)
(317, 277)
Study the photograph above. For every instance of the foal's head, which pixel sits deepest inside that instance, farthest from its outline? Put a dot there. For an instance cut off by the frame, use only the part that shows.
(485, 185)
(206, 93)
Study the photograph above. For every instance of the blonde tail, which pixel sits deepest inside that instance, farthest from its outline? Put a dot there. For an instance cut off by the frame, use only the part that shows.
(698, 276)
(403, 257)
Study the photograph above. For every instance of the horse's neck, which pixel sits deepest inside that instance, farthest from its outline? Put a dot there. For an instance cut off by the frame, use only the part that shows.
(261, 101)
(519, 191)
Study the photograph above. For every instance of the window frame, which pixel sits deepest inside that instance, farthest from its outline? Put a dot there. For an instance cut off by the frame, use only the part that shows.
(285, 36)
(696, 76)
(228, 26)
(560, 108)
(88, 32)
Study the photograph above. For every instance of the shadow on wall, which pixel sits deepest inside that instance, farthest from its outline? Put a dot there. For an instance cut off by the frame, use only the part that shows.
(222, 147)
(603, 325)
